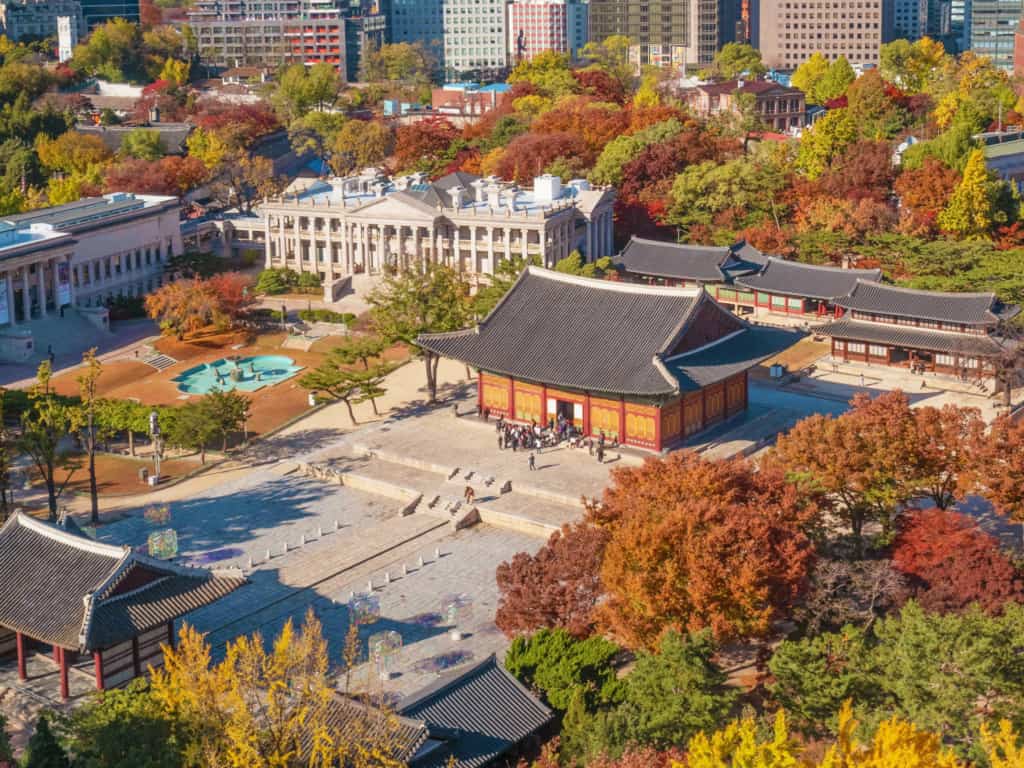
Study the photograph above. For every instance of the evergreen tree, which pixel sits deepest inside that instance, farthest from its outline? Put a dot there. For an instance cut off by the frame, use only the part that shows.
(44, 751)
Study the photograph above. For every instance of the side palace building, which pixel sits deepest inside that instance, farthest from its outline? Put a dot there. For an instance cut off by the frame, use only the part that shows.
(649, 366)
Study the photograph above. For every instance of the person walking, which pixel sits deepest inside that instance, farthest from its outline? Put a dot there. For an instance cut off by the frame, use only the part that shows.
(600, 454)
(501, 442)
(533, 462)
(469, 494)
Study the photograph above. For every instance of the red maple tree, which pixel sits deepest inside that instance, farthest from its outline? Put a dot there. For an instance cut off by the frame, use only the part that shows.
(951, 563)
(557, 587)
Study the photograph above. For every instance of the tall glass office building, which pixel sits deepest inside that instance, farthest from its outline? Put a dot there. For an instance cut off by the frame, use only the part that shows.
(993, 23)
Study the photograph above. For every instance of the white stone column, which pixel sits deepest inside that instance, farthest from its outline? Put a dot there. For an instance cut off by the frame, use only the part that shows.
(418, 254)
(491, 266)
(507, 233)
(523, 233)
(10, 297)
(26, 300)
(473, 232)
(457, 249)
(266, 244)
(297, 242)
(380, 259)
(71, 282)
(41, 275)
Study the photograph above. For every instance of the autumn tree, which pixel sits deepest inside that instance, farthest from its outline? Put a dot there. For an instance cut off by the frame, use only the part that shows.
(923, 193)
(695, 543)
(733, 60)
(946, 438)
(226, 412)
(974, 207)
(171, 175)
(44, 428)
(835, 81)
(360, 144)
(265, 705)
(558, 587)
(998, 467)
(72, 152)
(951, 563)
(433, 300)
(187, 306)
(600, 85)
(863, 459)
(244, 178)
(528, 155)
(828, 138)
(417, 145)
(808, 76)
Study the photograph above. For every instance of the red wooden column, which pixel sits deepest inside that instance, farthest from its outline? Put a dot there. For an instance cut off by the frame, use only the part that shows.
(19, 641)
(657, 429)
(511, 399)
(586, 414)
(480, 391)
(703, 408)
(63, 673)
(135, 657)
(543, 405)
(97, 662)
(622, 421)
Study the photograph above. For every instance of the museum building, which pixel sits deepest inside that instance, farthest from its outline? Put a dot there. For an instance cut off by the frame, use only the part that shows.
(647, 365)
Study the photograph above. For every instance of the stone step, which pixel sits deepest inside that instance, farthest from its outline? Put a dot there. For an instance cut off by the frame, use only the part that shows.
(160, 362)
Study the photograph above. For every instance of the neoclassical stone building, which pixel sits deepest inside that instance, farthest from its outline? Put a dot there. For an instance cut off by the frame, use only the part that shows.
(369, 222)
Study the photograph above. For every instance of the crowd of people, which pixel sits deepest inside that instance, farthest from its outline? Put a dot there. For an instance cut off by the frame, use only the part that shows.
(534, 437)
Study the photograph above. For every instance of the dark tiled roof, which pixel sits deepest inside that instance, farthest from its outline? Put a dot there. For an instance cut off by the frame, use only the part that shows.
(748, 253)
(456, 179)
(593, 335)
(736, 354)
(673, 260)
(966, 308)
(793, 278)
(912, 338)
(61, 588)
(486, 709)
(352, 722)
(576, 332)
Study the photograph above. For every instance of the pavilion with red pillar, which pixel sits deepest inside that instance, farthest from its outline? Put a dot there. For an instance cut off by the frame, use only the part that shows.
(649, 366)
(93, 604)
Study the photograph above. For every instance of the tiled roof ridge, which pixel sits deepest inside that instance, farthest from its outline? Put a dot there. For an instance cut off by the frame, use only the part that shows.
(922, 291)
(73, 540)
(710, 344)
(610, 285)
(444, 684)
(825, 268)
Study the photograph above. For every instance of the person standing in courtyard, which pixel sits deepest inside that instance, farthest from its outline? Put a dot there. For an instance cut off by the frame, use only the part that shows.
(469, 494)
(533, 461)
(600, 453)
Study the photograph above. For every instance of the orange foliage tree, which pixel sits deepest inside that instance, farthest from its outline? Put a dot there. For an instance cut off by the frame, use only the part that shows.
(946, 438)
(188, 306)
(998, 467)
(528, 155)
(863, 459)
(923, 193)
(951, 563)
(695, 544)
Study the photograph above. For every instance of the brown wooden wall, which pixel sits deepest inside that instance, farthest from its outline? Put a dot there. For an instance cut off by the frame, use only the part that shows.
(8, 642)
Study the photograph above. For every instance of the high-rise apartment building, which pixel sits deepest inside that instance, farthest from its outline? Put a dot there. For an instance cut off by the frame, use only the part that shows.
(475, 39)
(668, 32)
(239, 33)
(366, 29)
(910, 19)
(536, 26)
(790, 31)
(418, 21)
(993, 24)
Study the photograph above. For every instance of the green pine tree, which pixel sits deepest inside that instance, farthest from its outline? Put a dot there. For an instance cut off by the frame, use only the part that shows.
(44, 750)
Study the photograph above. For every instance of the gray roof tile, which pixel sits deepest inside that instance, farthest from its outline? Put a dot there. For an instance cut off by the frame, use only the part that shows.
(488, 709)
(966, 308)
(673, 260)
(794, 278)
(912, 338)
(593, 335)
(47, 572)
